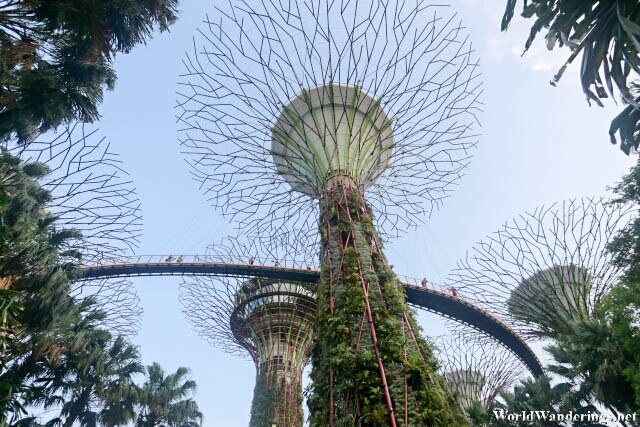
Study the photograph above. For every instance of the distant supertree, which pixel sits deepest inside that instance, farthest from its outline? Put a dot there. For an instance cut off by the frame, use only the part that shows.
(297, 112)
(476, 370)
(92, 193)
(270, 321)
(546, 268)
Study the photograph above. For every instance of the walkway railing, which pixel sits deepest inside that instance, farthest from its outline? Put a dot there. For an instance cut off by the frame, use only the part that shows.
(203, 259)
(240, 260)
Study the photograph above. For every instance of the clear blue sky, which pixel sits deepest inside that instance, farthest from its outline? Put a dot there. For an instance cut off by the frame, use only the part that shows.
(539, 144)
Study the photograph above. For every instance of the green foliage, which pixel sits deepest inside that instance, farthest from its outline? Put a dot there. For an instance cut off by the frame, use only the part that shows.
(10, 309)
(48, 332)
(478, 414)
(54, 353)
(591, 363)
(120, 398)
(163, 399)
(597, 357)
(622, 307)
(276, 400)
(625, 247)
(346, 371)
(81, 378)
(539, 395)
(55, 57)
(530, 394)
(593, 359)
(29, 267)
(607, 34)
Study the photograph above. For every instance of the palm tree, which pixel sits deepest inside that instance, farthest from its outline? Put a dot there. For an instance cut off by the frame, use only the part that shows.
(120, 399)
(34, 298)
(478, 414)
(82, 381)
(593, 358)
(535, 395)
(163, 399)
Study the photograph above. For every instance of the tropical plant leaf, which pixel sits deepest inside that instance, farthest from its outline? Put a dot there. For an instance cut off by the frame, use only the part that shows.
(607, 35)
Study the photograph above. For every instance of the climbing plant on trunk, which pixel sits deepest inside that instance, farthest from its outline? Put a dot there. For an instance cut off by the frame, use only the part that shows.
(370, 364)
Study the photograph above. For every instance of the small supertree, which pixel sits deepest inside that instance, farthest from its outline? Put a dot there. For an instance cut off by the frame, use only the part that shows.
(269, 320)
(299, 113)
(476, 370)
(91, 193)
(546, 268)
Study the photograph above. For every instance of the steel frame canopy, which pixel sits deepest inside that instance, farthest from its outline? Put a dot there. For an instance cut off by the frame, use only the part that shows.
(545, 268)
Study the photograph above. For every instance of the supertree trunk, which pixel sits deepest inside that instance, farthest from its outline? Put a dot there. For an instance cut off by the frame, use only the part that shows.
(277, 400)
(370, 364)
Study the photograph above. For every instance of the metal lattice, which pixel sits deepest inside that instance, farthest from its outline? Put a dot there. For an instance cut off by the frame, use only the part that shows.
(93, 194)
(544, 268)
(251, 59)
(476, 369)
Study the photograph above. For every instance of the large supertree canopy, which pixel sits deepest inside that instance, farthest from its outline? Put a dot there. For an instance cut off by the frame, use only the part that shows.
(476, 369)
(545, 268)
(258, 69)
(93, 194)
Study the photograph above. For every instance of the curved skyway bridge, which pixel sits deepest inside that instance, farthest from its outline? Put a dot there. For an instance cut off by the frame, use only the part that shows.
(420, 294)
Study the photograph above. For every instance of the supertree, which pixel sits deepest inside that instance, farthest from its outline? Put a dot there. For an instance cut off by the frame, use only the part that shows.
(297, 112)
(92, 193)
(545, 268)
(269, 320)
(477, 369)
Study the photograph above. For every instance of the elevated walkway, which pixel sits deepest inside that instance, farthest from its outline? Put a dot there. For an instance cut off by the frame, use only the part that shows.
(427, 298)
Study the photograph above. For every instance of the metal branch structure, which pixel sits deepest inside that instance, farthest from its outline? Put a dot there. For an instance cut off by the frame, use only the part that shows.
(545, 268)
(476, 369)
(118, 299)
(280, 249)
(267, 319)
(339, 112)
(92, 193)
(411, 59)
